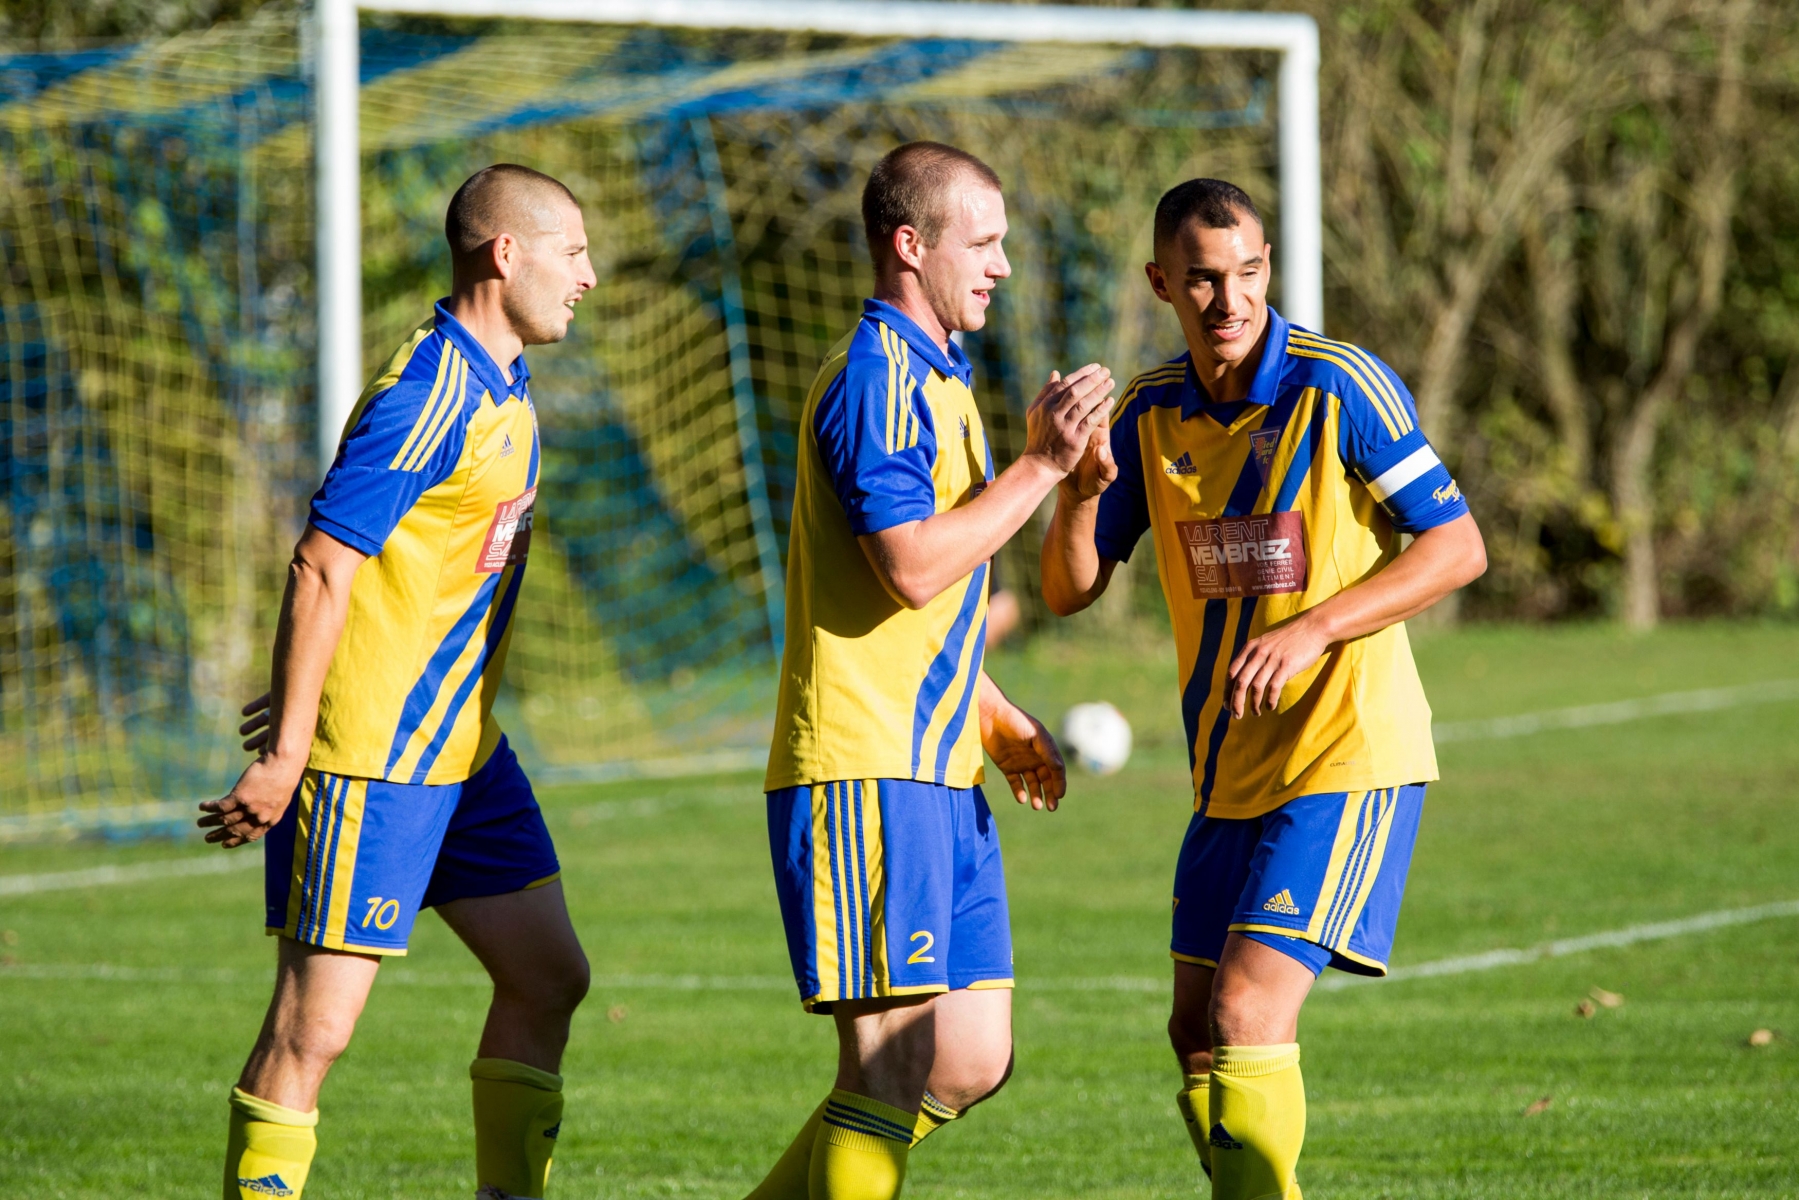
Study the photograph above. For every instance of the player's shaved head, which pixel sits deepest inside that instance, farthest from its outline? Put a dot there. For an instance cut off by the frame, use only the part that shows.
(503, 198)
(1209, 203)
(915, 185)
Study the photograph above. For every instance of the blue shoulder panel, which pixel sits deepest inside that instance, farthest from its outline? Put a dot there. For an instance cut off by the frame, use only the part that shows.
(406, 440)
(875, 434)
(1378, 434)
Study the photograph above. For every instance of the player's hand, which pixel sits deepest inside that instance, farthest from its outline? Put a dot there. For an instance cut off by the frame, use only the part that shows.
(252, 807)
(1263, 667)
(1096, 470)
(255, 731)
(1025, 753)
(1061, 420)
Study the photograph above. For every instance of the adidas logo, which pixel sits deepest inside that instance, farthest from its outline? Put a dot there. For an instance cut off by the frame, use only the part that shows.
(964, 421)
(1281, 903)
(1183, 465)
(506, 446)
(1222, 1139)
(553, 1131)
(268, 1185)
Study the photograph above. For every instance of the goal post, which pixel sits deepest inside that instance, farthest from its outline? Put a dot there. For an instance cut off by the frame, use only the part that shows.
(1294, 36)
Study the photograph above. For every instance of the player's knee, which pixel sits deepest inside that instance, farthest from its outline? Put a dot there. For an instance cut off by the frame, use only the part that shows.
(973, 1080)
(1241, 1016)
(316, 1041)
(1189, 1032)
(562, 986)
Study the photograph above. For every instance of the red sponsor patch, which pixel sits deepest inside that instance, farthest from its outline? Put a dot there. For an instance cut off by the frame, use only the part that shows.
(509, 537)
(1244, 556)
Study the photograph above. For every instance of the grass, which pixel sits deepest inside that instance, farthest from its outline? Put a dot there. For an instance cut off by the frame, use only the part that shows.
(1416, 1088)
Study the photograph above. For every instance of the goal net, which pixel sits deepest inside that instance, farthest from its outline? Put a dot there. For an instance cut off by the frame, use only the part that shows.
(157, 347)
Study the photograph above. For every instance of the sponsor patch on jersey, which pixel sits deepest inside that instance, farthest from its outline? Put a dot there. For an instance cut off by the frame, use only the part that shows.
(1232, 557)
(1446, 493)
(1262, 445)
(509, 537)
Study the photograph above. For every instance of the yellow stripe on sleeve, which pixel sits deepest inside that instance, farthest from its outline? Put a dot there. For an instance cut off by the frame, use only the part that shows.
(1160, 377)
(892, 387)
(1381, 382)
(1355, 374)
(1391, 411)
(427, 410)
(457, 393)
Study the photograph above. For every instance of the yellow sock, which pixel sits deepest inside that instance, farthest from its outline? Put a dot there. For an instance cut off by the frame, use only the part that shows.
(268, 1150)
(1196, 1111)
(518, 1113)
(790, 1178)
(860, 1152)
(933, 1114)
(1258, 1113)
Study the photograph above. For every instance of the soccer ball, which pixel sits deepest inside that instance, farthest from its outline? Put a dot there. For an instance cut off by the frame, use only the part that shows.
(1097, 736)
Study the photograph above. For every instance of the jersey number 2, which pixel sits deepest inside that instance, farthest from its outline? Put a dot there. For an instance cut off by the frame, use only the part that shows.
(922, 954)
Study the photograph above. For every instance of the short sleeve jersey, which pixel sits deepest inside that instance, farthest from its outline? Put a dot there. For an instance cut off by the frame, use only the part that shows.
(435, 478)
(870, 689)
(1260, 510)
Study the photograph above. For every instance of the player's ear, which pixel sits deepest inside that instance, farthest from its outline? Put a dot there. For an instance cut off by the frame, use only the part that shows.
(1158, 282)
(505, 251)
(908, 246)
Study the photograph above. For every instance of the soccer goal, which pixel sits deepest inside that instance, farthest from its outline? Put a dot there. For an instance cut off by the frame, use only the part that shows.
(182, 331)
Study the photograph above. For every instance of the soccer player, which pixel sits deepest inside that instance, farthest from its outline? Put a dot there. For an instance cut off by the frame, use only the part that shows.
(1276, 470)
(887, 862)
(383, 784)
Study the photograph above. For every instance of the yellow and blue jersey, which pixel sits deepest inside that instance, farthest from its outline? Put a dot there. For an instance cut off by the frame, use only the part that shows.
(435, 479)
(870, 689)
(1262, 509)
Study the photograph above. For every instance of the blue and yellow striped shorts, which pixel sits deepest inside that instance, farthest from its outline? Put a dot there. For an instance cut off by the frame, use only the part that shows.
(889, 887)
(1320, 878)
(352, 861)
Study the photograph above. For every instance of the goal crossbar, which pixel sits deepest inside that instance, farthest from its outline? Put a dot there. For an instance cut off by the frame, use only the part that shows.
(338, 155)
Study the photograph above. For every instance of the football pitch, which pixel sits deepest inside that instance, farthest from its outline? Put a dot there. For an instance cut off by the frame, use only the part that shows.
(126, 1008)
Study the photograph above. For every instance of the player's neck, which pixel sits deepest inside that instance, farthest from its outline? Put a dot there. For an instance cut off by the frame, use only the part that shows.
(902, 290)
(479, 310)
(1227, 382)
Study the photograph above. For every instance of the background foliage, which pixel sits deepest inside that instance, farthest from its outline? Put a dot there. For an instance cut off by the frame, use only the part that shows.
(1571, 228)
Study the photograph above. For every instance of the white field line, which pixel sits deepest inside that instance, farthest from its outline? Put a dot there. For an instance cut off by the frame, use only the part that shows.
(1618, 712)
(1465, 964)
(219, 863)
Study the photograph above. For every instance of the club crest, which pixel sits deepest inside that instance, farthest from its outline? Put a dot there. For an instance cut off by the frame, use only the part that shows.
(1262, 445)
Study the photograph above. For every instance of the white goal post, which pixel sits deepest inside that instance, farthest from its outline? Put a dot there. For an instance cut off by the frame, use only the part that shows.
(338, 156)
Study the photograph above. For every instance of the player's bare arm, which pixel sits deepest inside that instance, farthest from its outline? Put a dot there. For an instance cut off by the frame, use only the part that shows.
(312, 619)
(1074, 573)
(1023, 750)
(919, 559)
(1438, 561)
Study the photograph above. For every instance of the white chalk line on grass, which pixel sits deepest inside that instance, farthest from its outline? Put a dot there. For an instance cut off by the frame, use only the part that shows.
(221, 863)
(1617, 712)
(1462, 965)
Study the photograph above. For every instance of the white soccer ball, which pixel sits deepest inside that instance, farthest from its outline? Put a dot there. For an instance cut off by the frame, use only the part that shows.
(1097, 737)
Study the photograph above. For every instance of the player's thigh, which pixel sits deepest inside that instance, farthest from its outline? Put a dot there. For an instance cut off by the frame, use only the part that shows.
(1257, 993)
(319, 997)
(979, 945)
(526, 941)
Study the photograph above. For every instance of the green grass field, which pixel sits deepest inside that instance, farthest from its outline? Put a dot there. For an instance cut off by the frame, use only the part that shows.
(691, 1063)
